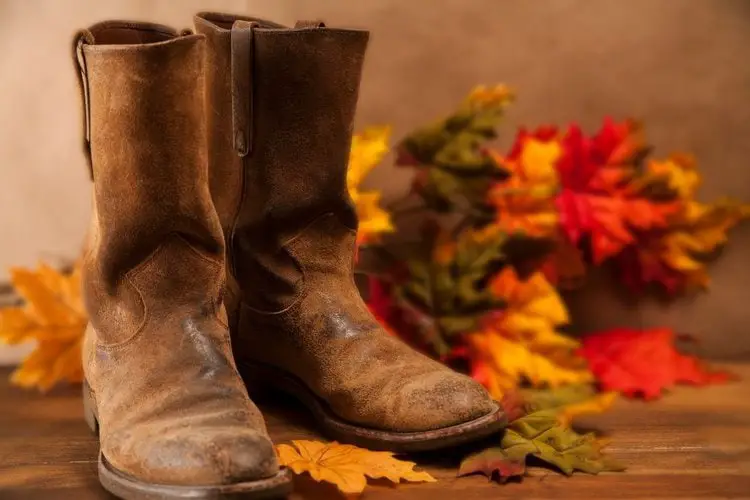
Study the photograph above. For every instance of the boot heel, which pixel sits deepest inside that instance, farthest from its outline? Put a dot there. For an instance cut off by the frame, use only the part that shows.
(89, 408)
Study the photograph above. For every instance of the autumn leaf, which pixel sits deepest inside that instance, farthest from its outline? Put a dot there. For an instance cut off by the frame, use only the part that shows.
(540, 435)
(449, 155)
(596, 200)
(525, 201)
(497, 463)
(53, 316)
(521, 342)
(367, 150)
(449, 285)
(346, 466)
(501, 364)
(676, 256)
(533, 311)
(643, 362)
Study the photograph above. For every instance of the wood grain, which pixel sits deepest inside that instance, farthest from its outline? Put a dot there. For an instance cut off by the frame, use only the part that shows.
(694, 443)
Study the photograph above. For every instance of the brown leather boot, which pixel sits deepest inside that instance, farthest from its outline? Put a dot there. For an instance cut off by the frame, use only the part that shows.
(173, 415)
(282, 103)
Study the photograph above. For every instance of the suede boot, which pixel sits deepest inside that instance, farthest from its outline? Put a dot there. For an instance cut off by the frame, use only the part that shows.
(282, 103)
(173, 415)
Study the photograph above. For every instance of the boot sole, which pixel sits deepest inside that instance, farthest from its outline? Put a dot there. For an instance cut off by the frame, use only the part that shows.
(258, 376)
(129, 488)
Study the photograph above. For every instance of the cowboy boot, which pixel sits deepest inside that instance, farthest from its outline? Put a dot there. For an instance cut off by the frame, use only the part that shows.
(283, 102)
(173, 415)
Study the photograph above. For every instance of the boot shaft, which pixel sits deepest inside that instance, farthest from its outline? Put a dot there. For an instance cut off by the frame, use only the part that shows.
(283, 102)
(154, 227)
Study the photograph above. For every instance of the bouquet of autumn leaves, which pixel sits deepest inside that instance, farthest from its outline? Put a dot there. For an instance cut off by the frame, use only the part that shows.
(499, 234)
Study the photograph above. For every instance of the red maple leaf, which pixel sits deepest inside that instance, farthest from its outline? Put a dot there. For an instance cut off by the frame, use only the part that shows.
(643, 362)
(595, 199)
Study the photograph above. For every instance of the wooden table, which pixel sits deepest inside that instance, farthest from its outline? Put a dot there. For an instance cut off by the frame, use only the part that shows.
(694, 443)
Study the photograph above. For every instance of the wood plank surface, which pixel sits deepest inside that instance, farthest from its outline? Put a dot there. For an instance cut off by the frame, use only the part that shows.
(694, 443)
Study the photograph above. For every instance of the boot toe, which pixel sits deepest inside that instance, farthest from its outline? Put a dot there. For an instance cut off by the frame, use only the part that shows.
(198, 457)
(442, 399)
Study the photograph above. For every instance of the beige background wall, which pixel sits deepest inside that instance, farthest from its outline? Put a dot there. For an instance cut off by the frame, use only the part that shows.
(681, 65)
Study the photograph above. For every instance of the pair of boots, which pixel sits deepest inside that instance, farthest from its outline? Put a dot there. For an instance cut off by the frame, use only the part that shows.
(220, 206)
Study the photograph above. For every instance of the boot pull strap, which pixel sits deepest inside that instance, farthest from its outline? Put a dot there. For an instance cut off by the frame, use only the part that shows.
(84, 37)
(242, 86)
(309, 24)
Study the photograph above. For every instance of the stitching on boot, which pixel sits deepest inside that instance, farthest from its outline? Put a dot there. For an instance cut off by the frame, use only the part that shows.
(129, 277)
(303, 287)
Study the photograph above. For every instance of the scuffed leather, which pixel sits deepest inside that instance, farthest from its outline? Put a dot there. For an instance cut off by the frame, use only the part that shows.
(291, 232)
(157, 355)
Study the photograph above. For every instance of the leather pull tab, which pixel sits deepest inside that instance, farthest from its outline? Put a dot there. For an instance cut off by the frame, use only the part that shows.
(81, 39)
(310, 24)
(242, 86)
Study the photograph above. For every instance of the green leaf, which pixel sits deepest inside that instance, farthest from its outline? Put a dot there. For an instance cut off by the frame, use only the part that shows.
(540, 435)
(558, 445)
(454, 293)
(438, 189)
(450, 156)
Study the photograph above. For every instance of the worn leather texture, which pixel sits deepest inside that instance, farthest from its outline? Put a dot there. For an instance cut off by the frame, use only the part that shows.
(171, 406)
(291, 232)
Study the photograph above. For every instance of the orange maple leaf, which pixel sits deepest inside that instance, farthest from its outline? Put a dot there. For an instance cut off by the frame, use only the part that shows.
(53, 316)
(525, 201)
(346, 466)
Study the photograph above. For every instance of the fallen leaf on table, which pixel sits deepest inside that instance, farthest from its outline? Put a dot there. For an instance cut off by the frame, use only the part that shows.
(53, 316)
(540, 435)
(497, 463)
(643, 362)
(346, 466)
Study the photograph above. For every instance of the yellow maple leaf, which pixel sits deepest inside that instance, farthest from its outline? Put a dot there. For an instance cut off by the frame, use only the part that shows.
(367, 150)
(511, 362)
(534, 310)
(522, 343)
(53, 316)
(346, 466)
(525, 201)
